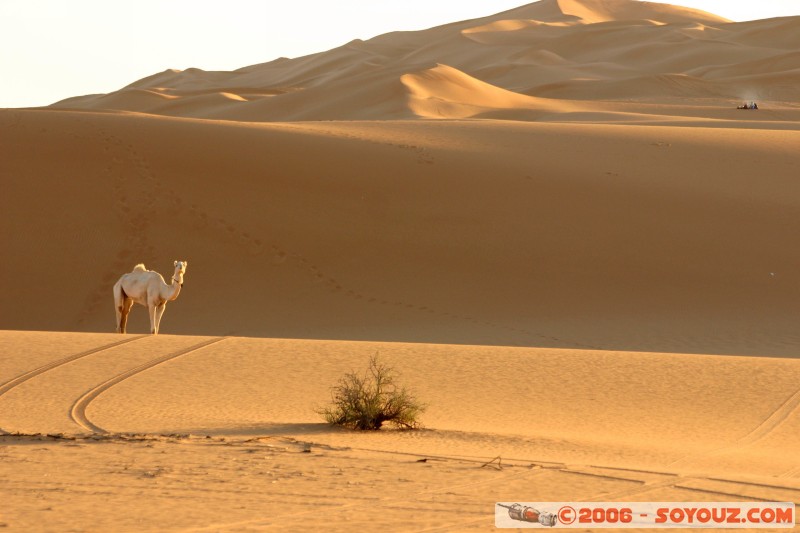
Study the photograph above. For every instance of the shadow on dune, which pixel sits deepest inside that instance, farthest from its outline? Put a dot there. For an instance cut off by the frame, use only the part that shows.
(263, 430)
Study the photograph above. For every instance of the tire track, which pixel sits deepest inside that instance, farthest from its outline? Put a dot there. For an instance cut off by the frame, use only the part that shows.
(642, 488)
(772, 421)
(7, 386)
(78, 410)
(791, 473)
(371, 503)
(675, 480)
(767, 426)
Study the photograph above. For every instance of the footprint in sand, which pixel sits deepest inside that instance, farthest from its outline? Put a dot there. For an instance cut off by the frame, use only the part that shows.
(201, 221)
(255, 248)
(279, 256)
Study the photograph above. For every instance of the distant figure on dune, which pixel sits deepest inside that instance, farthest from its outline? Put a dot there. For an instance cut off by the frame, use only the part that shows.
(748, 105)
(149, 289)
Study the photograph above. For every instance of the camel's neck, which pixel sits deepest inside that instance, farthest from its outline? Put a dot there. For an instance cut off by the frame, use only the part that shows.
(172, 291)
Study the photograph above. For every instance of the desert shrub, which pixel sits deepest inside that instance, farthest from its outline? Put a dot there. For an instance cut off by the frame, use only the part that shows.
(368, 400)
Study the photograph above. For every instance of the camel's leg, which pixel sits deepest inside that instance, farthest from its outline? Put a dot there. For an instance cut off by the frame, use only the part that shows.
(151, 310)
(118, 303)
(159, 313)
(123, 313)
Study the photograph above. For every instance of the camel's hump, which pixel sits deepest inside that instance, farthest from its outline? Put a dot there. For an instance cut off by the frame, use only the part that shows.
(140, 268)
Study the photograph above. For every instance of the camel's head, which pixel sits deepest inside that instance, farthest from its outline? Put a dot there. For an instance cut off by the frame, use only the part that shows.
(180, 270)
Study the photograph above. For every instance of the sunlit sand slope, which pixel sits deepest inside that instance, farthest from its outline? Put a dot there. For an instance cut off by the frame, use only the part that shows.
(220, 433)
(568, 52)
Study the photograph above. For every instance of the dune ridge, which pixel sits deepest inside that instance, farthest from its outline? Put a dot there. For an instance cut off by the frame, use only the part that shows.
(444, 92)
(567, 51)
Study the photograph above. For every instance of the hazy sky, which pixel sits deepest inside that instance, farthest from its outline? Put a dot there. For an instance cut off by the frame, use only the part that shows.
(54, 49)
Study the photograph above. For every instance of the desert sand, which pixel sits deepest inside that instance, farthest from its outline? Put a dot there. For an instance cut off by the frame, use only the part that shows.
(553, 222)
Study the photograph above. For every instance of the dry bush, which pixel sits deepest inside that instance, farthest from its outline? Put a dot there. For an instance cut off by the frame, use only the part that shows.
(367, 401)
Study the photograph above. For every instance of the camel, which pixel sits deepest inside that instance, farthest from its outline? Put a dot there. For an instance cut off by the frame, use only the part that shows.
(149, 289)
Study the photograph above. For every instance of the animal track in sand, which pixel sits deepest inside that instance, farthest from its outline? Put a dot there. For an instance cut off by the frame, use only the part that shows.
(255, 247)
(133, 187)
(278, 256)
(136, 206)
(424, 155)
(140, 200)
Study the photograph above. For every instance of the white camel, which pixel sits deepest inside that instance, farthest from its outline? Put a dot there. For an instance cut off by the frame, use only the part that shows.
(149, 289)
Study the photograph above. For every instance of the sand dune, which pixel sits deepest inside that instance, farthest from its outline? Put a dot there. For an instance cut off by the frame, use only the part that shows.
(594, 11)
(561, 50)
(670, 237)
(566, 234)
(444, 92)
(553, 221)
(204, 421)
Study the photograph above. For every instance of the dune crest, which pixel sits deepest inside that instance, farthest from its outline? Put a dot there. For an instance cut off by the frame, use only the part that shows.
(445, 92)
(562, 50)
(595, 11)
